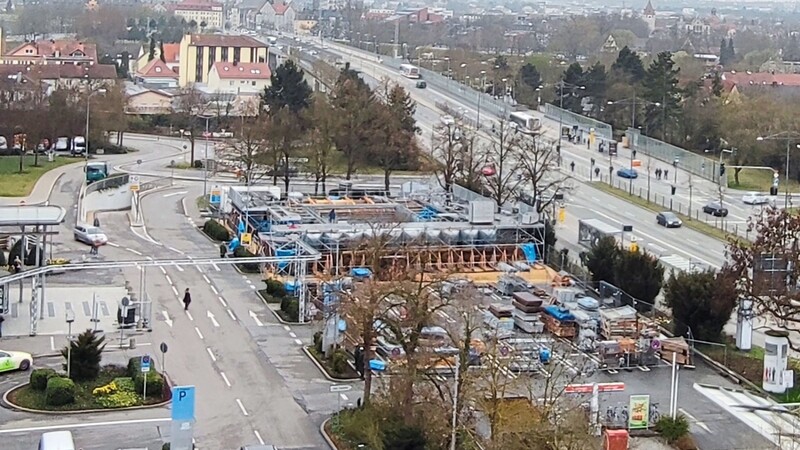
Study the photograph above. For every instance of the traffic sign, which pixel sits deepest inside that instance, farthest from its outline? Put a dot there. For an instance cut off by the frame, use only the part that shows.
(183, 403)
(163, 347)
(145, 363)
(216, 196)
(135, 183)
(340, 388)
(587, 388)
(246, 238)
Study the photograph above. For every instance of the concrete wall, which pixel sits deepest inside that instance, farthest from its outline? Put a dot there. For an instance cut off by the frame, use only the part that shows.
(115, 198)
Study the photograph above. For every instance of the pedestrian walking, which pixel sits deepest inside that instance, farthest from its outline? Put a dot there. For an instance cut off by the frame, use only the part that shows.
(572, 166)
(17, 264)
(187, 299)
(94, 249)
(666, 174)
(2, 319)
(223, 250)
(658, 174)
(96, 222)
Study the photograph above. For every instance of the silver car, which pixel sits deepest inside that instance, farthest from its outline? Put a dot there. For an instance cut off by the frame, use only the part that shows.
(90, 235)
(755, 198)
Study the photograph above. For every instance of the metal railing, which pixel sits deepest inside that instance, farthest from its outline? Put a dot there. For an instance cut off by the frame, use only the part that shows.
(569, 118)
(113, 181)
(693, 163)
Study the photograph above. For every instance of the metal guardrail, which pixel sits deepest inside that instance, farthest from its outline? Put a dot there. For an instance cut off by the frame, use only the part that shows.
(109, 182)
(569, 118)
(693, 163)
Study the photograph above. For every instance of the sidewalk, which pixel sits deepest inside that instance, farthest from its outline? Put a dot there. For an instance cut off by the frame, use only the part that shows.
(43, 188)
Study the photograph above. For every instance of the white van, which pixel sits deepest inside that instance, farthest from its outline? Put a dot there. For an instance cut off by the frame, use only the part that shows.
(57, 440)
(78, 145)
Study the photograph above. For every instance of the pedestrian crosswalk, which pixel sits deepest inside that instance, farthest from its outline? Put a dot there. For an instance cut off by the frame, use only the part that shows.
(88, 309)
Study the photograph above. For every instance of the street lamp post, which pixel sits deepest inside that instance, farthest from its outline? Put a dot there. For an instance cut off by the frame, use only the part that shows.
(561, 85)
(787, 136)
(86, 138)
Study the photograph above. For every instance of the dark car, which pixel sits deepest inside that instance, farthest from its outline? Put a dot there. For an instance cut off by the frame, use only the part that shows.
(421, 85)
(627, 173)
(668, 219)
(715, 209)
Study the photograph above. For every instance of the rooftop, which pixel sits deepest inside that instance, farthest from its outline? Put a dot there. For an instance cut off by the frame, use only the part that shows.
(61, 71)
(28, 215)
(224, 40)
(761, 79)
(156, 69)
(248, 71)
(62, 47)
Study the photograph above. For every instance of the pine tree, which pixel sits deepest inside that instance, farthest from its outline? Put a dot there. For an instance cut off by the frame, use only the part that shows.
(85, 355)
(403, 108)
(161, 52)
(724, 59)
(731, 50)
(629, 63)
(288, 88)
(601, 259)
(662, 90)
(570, 94)
(152, 54)
(529, 76)
(640, 276)
(700, 301)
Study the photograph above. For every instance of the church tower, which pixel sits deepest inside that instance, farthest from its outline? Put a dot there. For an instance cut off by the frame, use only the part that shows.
(649, 16)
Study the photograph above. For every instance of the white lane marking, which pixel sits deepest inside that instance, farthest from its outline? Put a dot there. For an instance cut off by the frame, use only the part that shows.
(82, 425)
(216, 267)
(175, 291)
(180, 269)
(207, 280)
(149, 258)
(163, 270)
(210, 315)
(166, 318)
(190, 316)
(230, 313)
(169, 280)
(225, 379)
(291, 333)
(113, 244)
(344, 397)
(133, 251)
(216, 292)
(222, 300)
(199, 334)
(693, 419)
(252, 287)
(286, 327)
(241, 406)
(172, 194)
(255, 319)
(52, 343)
(258, 436)
(176, 250)
(244, 277)
(298, 342)
(692, 242)
(211, 354)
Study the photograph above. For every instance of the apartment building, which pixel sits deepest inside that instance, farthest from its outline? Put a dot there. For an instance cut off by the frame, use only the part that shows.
(199, 52)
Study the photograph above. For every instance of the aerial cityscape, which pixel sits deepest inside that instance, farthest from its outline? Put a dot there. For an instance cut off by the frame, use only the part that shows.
(364, 225)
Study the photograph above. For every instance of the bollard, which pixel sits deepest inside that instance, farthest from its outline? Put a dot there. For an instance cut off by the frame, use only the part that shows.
(132, 343)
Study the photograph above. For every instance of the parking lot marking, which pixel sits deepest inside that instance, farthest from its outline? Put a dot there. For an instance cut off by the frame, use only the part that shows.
(241, 406)
(214, 289)
(258, 436)
(211, 354)
(298, 342)
(52, 343)
(344, 397)
(180, 269)
(292, 335)
(286, 327)
(190, 316)
(133, 251)
(113, 244)
(169, 280)
(163, 270)
(82, 425)
(222, 300)
(175, 291)
(207, 280)
(216, 267)
(230, 313)
(225, 379)
(199, 333)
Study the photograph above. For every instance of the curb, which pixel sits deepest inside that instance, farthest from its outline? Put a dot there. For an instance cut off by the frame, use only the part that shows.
(16, 407)
(280, 319)
(325, 436)
(258, 293)
(325, 372)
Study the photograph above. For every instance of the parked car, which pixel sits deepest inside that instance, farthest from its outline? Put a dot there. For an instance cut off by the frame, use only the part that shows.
(90, 235)
(668, 219)
(15, 361)
(755, 198)
(630, 174)
(421, 84)
(715, 209)
(61, 144)
(447, 120)
(78, 146)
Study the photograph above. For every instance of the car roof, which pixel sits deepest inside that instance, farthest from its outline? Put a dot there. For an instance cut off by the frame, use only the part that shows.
(667, 213)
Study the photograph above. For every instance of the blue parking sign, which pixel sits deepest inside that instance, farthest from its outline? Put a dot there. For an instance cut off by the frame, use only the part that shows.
(145, 363)
(183, 403)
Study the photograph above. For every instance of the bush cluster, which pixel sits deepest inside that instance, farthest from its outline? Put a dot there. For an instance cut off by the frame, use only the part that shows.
(216, 231)
(119, 399)
(275, 288)
(673, 429)
(59, 391)
(155, 382)
(39, 378)
(291, 309)
(242, 252)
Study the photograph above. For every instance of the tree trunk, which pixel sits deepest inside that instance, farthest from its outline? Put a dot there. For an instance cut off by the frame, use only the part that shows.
(386, 174)
(736, 175)
(36, 155)
(367, 335)
(191, 144)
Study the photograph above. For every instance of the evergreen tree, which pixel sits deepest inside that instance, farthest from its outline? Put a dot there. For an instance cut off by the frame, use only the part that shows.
(595, 81)
(662, 90)
(529, 76)
(570, 94)
(640, 276)
(731, 50)
(85, 355)
(601, 259)
(700, 301)
(161, 52)
(152, 53)
(629, 63)
(716, 85)
(288, 88)
(403, 108)
(724, 59)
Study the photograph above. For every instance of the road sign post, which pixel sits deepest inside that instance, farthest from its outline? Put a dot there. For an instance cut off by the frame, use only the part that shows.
(163, 347)
(182, 429)
(145, 370)
(338, 389)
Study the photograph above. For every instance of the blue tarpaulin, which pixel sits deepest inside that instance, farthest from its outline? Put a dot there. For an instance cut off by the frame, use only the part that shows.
(530, 252)
(284, 253)
(561, 315)
(360, 272)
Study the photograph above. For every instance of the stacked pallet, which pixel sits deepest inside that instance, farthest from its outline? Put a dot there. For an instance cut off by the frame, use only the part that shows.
(527, 309)
(675, 346)
(618, 322)
(499, 318)
(559, 321)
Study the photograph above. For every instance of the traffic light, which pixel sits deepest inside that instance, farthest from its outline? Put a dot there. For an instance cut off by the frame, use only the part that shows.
(773, 190)
(722, 169)
(672, 189)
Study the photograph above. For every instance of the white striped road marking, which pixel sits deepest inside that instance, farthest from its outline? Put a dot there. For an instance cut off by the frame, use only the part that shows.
(211, 354)
(252, 287)
(207, 280)
(176, 250)
(199, 269)
(344, 397)
(199, 333)
(222, 300)
(298, 342)
(230, 313)
(133, 251)
(172, 194)
(52, 343)
(286, 327)
(180, 269)
(258, 436)
(241, 406)
(225, 378)
(169, 280)
(216, 292)
(113, 244)
(176, 292)
(163, 270)
(82, 425)
(149, 258)
(189, 315)
(216, 267)
(292, 334)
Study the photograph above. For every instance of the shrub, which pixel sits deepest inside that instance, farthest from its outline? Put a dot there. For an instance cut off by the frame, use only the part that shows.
(30, 255)
(155, 384)
(673, 429)
(292, 311)
(60, 391)
(339, 362)
(242, 252)
(401, 436)
(216, 231)
(275, 288)
(39, 378)
(125, 384)
(198, 164)
(119, 399)
(134, 367)
(685, 443)
(3, 261)
(113, 149)
(318, 342)
(108, 389)
(285, 303)
(87, 352)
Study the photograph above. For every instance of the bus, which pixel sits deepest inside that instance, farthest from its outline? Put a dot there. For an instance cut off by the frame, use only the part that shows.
(525, 123)
(409, 71)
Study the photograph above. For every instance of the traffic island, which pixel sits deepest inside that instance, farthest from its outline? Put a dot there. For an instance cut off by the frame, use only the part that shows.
(336, 368)
(115, 387)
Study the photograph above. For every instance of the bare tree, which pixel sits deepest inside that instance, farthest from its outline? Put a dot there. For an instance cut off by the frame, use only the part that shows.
(250, 148)
(501, 156)
(190, 104)
(538, 165)
(323, 116)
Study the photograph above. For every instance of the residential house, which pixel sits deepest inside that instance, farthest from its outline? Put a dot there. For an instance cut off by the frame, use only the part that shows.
(171, 55)
(742, 83)
(246, 13)
(238, 78)
(199, 52)
(278, 16)
(201, 12)
(156, 74)
(50, 51)
(73, 76)
(146, 101)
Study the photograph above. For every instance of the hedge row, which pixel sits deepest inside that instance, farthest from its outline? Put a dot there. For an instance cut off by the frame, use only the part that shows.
(216, 231)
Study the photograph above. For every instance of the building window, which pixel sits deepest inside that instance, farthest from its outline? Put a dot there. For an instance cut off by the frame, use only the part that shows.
(199, 65)
(237, 54)
(253, 83)
(224, 54)
(212, 53)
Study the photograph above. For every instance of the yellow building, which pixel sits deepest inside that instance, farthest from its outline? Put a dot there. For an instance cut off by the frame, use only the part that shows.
(202, 12)
(199, 52)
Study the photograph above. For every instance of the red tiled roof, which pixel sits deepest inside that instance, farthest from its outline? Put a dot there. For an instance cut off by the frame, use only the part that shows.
(156, 69)
(221, 40)
(761, 79)
(65, 47)
(58, 71)
(280, 8)
(242, 71)
(171, 52)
